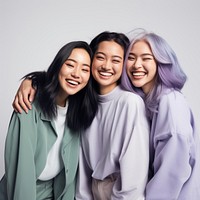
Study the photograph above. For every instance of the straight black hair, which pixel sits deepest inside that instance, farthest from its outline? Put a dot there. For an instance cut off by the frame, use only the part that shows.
(119, 38)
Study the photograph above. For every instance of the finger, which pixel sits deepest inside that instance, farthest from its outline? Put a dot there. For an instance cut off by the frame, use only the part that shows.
(32, 95)
(22, 103)
(16, 105)
(24, 99)
(27, 102)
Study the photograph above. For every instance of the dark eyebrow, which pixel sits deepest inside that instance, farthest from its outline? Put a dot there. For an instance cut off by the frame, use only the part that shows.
(144, 54)
(69, 59)
(132, 54)
(86, 65)
(147, 54)
(76, 62)
(115, 56)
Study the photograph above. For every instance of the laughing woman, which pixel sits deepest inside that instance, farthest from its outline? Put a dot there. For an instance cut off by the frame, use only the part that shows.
(153, 71)
(42, 147)
(114, 154)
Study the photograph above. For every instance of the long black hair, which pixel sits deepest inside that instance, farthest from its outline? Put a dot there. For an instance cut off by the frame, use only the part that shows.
(82, 105)
(119, 38)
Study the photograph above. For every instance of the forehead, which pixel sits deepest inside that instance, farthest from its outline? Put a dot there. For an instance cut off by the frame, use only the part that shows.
(79, 55)
(79, 51)
(141, 46)
(110, 47)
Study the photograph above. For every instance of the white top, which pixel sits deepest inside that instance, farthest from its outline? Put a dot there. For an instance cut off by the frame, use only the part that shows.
(54, 162)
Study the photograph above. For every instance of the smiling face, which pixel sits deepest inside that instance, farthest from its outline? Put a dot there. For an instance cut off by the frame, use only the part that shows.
(141, 66)
(107, 65)
(74, 74)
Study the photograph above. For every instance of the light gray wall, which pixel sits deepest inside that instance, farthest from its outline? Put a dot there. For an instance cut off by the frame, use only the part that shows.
(31, 33)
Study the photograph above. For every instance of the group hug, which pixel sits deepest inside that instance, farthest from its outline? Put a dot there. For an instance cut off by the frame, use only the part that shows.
(105, 121)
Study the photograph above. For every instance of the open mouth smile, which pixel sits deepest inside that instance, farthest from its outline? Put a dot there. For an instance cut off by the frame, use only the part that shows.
(139, 74)
(72, 82)
(106, 74)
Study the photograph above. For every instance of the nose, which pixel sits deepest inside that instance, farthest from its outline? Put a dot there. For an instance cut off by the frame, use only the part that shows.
(106, 65)
(76, 72)
(137, 64)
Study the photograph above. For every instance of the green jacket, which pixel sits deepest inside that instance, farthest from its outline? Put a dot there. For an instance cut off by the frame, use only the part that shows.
(29, 139)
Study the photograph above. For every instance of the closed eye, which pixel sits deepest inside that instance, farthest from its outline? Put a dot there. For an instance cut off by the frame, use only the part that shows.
(69, 65)
(85, 70)
(147, 58)
(99, 57)
(116, 61)
(131, 58)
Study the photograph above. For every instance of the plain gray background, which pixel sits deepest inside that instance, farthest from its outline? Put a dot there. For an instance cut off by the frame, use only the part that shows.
(31, 33)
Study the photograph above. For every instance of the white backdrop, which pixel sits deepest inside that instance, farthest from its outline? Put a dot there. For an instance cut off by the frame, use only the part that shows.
(31, 33)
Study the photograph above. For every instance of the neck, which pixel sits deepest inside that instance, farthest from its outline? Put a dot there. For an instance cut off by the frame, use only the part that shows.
(61, 101)
(106, 89)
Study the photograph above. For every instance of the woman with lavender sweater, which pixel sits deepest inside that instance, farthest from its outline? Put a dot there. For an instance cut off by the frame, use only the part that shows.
(153, 71)
(114, 156)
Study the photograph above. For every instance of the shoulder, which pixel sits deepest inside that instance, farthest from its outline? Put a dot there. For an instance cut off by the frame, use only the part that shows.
(24, 122)
(130, 104)
(174, 112)
(32, 114)
(130, 98)
(173, 99)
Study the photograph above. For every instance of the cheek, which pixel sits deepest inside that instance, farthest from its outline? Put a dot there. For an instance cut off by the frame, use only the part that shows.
(92, 72)
(60, 75)
(128, 72)
(86, 77)
(94, 65)
(62, 72)
(154, 70)
(120, 68)
(93, 69)
(128, 64)
(128, 67)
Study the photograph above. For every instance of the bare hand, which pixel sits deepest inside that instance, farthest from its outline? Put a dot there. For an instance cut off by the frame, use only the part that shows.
(24, 96)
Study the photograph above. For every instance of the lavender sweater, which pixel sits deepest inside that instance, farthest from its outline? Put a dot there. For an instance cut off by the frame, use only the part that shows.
(174, 151)
(116, 142)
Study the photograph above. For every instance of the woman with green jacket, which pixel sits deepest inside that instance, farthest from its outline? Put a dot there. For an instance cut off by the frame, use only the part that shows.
(42, 147)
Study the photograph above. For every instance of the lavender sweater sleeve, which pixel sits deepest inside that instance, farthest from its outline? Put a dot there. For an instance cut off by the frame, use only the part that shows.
(174, 150)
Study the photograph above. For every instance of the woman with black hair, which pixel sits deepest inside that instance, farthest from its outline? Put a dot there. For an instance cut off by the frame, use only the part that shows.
(114, 156)
(42, 147)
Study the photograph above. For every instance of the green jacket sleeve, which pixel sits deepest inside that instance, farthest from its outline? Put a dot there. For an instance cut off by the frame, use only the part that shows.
(19, 157)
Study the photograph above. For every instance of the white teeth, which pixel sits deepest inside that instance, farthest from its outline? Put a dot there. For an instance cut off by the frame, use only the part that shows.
(138, 73)
(72, 82)
(105, 73)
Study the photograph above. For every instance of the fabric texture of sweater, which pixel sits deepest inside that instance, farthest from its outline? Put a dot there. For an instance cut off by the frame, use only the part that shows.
(174, 151)
(117, 143)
